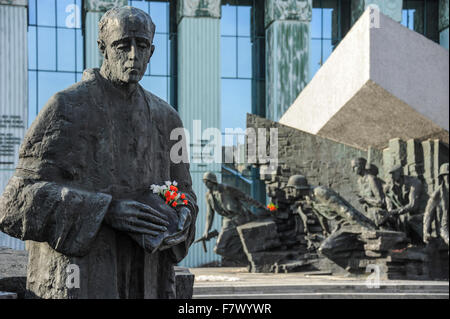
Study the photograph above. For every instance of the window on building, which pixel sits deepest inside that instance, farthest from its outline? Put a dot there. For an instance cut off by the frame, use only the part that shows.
(329, 24)
(243, 78)
(422, 16)
(236, 55)
(55, 49)
(158, 78)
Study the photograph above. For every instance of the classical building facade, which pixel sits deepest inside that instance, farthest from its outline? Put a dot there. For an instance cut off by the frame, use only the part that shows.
(215, 62)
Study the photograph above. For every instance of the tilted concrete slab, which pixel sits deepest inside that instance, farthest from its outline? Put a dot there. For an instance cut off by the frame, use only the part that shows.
(378, 84)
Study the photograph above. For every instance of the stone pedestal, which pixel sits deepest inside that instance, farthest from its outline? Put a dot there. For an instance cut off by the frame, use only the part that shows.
(388, 253)
(287, 53)
(13, 276)
(184, 283)
(271, 248)
(259, 239)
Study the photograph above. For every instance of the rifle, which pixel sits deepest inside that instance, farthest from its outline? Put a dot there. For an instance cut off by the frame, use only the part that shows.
(210, 236)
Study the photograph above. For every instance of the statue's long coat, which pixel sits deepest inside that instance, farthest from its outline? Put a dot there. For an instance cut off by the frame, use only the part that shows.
(90, 145)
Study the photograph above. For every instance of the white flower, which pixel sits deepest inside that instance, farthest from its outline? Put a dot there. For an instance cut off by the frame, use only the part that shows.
(168, 183)
(174, 183)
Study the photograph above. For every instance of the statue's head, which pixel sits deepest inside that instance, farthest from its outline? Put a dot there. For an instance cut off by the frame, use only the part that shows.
(396, 174)
(359, 165)
(297, 187)
(210, 180)
(125, 39)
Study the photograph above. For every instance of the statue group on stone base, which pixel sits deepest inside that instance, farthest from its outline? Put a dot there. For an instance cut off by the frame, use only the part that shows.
(322, 218)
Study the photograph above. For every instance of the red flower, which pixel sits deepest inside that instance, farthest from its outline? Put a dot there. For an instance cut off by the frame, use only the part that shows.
(174, 204)
(183, 196)
(185, 202)
(172, 197)
(167, 194)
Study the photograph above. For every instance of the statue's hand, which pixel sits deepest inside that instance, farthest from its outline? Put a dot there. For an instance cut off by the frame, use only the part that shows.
(426, 238)
(184, 215)
(394, 212)
(135, 217)
(184, 224)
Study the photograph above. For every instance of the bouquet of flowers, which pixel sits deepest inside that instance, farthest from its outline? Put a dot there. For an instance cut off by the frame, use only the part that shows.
(165, 198)
(272, 207)
(169, 192)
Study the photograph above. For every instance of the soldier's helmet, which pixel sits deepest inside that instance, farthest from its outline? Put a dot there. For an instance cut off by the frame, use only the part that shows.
(298, 182)
(359, 161)
(209, 176)
(396, 168)
(444, 169)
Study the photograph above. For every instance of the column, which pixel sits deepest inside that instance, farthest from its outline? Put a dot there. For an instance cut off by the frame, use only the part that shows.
(13, 92)
(390, 8)
(258, 187)
(443, 23)
(94, 10)
(287, 53)
(199, 97)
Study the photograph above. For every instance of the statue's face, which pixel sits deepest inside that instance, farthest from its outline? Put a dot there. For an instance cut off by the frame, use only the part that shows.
(292, 193)
(446, 180)
(208, 184)
(128, 57)
(396, 177)
(127, 46)
(358, 169)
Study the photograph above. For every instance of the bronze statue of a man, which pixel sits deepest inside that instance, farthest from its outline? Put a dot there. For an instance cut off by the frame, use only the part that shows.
(81, 192)
(326, 204)
(437, 209)
(295, 189)
(371, 194)
(403, 194)
(233, 205)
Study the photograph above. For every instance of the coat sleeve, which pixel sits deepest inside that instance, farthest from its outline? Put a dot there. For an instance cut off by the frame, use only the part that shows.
(414, 196)
(180, 173)
(378, 199)
(43, 201)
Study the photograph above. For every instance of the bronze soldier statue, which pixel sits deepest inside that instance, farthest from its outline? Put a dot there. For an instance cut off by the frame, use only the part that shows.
(437, 208)
(403, 195)
(233, 205)
(304, 212)
(371, 194)
(326, 204)
(81, 192)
